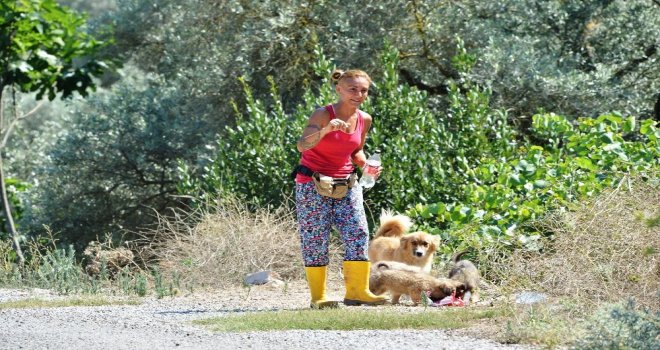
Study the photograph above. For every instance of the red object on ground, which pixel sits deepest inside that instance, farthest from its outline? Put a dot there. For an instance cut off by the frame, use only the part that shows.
(451, 300)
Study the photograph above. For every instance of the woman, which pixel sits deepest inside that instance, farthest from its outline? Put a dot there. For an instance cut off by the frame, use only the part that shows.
(331, 143)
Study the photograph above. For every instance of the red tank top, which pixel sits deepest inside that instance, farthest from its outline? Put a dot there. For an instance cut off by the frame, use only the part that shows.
(332, 155)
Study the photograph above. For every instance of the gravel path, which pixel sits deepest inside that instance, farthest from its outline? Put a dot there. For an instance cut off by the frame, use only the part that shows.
(166, 324)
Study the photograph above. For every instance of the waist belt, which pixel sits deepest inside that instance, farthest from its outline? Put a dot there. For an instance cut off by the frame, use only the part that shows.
(303, 170)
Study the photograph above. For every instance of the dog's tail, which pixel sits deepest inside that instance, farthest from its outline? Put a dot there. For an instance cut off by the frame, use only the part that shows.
(393, 225)
(457, 256)
(381, 265)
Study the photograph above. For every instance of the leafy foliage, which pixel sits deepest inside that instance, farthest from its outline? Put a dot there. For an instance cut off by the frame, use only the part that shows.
(44, 51)
(472, 182)
(14, 188)
(427, 154)
(573, 58)
(42, 46)
(441, 112)
(255, 157)
(575, 162)
(92, 8)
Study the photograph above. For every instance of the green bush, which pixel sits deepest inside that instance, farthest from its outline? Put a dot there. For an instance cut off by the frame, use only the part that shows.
(115, 164)
(465, 175)
(570, 57)
(574, 58)
(625, 327)
(570, 163)
(255, 156)
(426, 155)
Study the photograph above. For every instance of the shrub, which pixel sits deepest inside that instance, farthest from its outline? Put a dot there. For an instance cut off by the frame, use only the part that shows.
(14, 189)
(219, 243)
(465, 175)
(625, 326)
(568, 163)
(255, 156)
(573, 58)
(117, 161)
(426, 156)
(602, 251)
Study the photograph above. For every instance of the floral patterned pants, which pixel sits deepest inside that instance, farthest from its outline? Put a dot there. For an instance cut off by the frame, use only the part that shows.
(318, 214)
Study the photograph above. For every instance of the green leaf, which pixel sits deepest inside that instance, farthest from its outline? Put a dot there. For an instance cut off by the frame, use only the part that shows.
(647, 127)
(52, 60)
(585, 163)
(607, 137)
(514, 179)
(541, 184)
(629, 124)
(491, 230)
(612, 147)
(21, 66)
(437, 208)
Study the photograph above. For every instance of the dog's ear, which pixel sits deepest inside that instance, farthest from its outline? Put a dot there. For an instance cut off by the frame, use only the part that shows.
(405, 240)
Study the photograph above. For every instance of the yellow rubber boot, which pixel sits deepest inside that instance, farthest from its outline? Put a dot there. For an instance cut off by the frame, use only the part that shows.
(316, 278)
(356, 277)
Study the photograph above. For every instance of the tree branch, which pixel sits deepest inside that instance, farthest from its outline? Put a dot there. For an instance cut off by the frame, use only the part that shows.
(14, 122)
(650, 51)
(2, 108)
(426, 48)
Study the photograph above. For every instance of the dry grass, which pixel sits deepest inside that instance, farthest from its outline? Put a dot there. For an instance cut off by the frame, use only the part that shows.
(606, 251)
(220, 244)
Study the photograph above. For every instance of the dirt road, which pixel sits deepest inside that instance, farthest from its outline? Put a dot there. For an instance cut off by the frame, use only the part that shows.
(166, 324)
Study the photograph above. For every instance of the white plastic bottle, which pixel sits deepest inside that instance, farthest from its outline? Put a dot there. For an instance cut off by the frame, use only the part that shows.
(370, 171)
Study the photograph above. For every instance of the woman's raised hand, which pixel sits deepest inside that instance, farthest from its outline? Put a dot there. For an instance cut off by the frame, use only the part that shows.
(337, 124)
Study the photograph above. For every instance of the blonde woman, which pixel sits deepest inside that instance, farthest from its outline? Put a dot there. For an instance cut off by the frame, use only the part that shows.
(331, 145)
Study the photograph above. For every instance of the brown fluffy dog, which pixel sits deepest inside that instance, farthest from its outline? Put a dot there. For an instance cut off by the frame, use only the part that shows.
(465, 272)
(390, 243)
(398, 280)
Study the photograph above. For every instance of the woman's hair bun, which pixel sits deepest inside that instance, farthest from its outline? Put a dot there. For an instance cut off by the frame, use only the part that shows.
(336, 75)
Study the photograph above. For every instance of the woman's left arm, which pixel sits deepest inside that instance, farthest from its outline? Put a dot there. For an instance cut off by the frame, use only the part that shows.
(358, 157)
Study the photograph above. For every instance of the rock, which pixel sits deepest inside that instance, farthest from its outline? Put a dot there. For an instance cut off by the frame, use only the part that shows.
(530, 297)
(262, 277)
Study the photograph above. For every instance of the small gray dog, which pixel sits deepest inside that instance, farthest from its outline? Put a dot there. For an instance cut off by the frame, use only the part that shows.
(465, 272)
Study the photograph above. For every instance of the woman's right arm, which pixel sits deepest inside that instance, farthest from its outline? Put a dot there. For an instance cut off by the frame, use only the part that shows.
(317, 127)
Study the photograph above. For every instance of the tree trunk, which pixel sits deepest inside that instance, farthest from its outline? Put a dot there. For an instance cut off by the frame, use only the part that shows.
(5, 199)
(7, 211)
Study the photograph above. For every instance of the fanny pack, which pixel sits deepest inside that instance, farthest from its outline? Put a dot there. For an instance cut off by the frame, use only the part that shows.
(328, 186)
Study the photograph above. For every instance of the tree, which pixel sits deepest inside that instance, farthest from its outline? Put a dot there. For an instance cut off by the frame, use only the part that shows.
(578, 58)
(44, 50)
(133, 136)
(531, 55)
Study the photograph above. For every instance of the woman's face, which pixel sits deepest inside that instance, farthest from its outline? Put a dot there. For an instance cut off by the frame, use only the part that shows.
(353, 90)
